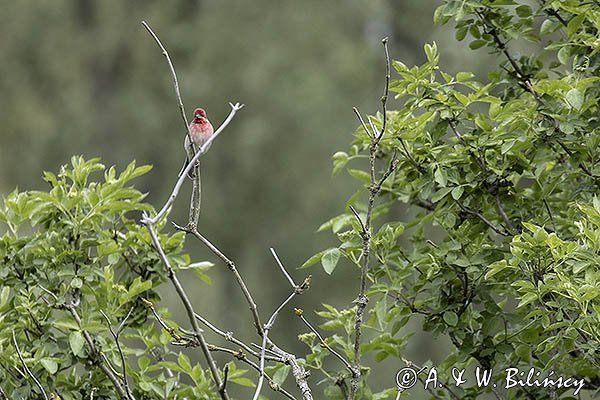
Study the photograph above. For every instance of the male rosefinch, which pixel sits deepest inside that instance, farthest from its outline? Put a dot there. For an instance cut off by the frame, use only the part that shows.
(200, 131)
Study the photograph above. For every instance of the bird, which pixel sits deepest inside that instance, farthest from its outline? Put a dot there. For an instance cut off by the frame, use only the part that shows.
(200, 131)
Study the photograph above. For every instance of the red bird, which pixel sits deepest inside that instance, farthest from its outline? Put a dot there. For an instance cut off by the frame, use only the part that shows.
(200, 131)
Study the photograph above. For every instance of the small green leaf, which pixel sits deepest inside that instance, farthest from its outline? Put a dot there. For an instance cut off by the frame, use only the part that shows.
(76, 283)
(50, 365)
(76, 341)
(451, 318)
(330, 259)
(524, 11)
(360, 175)
(574, 98)
(313, 259)
(475, 44)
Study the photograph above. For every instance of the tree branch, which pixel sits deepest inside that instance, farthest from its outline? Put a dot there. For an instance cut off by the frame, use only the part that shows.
(174, 75)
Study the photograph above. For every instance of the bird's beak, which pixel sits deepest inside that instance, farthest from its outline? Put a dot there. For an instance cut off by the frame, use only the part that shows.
(197, 116)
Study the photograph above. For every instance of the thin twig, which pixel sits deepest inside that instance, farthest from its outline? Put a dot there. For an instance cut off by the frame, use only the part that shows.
(271, 321)
(362, 121)
(266, 331)
(173, 74)
(362, 225)
(282, 268)
(362, 300)
(231, 266)
(230, 338)
(503, 213)
(234, 109)
(171, 331)
(386, 90)
(39, 385)
(322, 341)
(483, 219)
(115, 335)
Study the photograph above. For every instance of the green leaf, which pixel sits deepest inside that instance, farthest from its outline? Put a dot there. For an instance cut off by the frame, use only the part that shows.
(574, 98)
(360, 175)
(76, 341)
(524, 11)
(440, 176)
(330, 259)
(340, 159)
(450, 318)
(50, 365)
(475, 44)
(527, 298)
(313, 259)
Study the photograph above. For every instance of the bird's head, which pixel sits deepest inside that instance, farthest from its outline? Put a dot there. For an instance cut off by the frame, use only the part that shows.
(199, 113)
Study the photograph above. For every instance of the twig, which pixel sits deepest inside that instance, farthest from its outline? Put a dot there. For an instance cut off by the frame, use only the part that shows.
(483, 219)
(271, 321)
(184, 298)
(282, 268)
(174, 75)
(39, 385)
(386, 89)
(171, 331)
(503, 213)
(362, 300)
(115, 335)
(409, 156)
(298, 371)
(231, 266)
(362, 225)
(223, 386)
(230, 338)
(322, 341)
(362, 121)
(266, 331)
(234, 109)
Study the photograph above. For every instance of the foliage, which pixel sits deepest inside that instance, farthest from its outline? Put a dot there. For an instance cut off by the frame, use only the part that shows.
(69, 255)
(497, 182)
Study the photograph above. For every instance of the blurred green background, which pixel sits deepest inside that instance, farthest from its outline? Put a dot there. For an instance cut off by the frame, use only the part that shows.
(84, 77)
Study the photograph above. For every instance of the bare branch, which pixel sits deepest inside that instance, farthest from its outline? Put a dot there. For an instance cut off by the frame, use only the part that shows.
(271, 321)
(231, 266)
(283, 271)
(362, 121)
(362, 300)
(230, 338)
(362, 225)
(39, 385)
(384, 98)
(173, 74)
(266, 331)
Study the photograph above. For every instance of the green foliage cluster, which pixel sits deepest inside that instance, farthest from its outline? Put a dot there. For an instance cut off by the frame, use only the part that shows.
(497, 181)
(69, 256)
